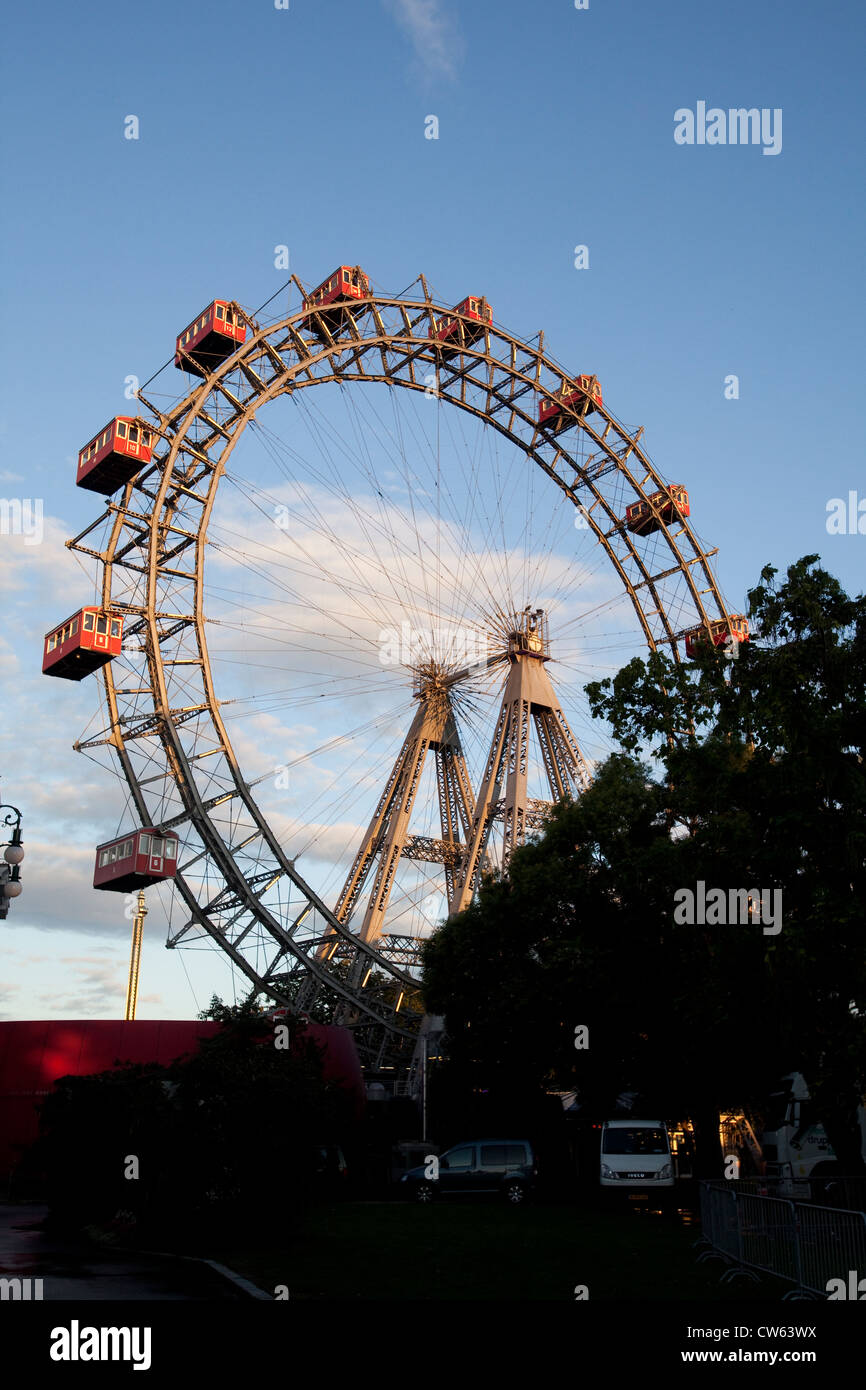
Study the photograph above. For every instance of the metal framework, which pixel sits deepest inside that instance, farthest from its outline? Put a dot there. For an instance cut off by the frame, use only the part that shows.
(162, 716)
(528, 697)
(433, 731)
(387, 839)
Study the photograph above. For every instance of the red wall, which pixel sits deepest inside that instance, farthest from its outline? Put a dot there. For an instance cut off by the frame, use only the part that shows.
(35, 1054)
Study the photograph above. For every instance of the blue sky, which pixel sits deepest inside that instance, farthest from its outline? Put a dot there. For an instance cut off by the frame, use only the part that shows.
(305, 127)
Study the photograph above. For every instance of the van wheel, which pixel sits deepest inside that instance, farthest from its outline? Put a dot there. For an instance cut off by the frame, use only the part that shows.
(515, 1194)
(424, 1193)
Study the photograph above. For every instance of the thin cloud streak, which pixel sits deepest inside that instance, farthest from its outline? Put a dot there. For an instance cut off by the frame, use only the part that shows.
(433, 34)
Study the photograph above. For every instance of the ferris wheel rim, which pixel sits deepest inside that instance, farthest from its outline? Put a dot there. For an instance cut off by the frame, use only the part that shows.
(525, 372)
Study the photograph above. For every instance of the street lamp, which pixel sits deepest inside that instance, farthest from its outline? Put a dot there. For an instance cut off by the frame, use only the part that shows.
(10, 881)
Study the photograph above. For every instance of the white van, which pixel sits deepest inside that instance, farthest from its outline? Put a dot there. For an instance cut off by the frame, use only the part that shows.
(636, 1154)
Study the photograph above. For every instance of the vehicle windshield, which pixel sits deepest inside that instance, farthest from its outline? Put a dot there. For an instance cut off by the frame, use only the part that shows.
(635, 1141)
(777, 1110)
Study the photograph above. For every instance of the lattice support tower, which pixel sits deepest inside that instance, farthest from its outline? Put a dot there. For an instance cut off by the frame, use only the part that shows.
(388, 840)
(528, 698)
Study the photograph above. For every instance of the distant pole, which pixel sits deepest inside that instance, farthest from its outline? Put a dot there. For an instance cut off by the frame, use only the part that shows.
(424, 1089)
(135, 958)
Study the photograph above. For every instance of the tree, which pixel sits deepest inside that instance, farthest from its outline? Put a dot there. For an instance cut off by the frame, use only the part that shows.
(223, 1140)
(775, 795)
(758, 784)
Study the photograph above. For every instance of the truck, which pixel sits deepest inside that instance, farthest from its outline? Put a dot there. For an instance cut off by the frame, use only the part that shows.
(795, 1144)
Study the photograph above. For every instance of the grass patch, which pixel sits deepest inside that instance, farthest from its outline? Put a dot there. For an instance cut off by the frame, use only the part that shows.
(449, 1250)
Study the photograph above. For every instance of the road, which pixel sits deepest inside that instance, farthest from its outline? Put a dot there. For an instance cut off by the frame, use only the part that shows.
(82, 1272)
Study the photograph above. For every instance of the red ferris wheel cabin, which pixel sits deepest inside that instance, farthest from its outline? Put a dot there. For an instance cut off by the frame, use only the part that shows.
(660, 507)
(135, 860)
(86, 641)
(210, 339)
(472, 314)
(718, 633)
(329, 299)
(113, 458)
(583, 395)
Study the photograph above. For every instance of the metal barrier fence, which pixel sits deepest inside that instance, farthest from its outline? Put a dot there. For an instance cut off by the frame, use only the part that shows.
(720, 1219)
(831, 1242)
(848, 1193)
(768, 1235)
(801, 1242)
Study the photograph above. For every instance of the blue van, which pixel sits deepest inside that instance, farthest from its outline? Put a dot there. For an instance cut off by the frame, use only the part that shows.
(499, 1167)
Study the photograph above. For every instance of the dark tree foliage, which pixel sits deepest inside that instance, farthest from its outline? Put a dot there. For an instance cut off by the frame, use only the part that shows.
(758, 783)
(89, 1125)
(223, 1139)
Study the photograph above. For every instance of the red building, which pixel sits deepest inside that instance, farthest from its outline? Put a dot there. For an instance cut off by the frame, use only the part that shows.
(35, 1054)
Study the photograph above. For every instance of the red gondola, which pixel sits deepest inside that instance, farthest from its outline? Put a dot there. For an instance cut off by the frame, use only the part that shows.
(210, 339)
(719, 632)
(473, 313)
(113, 458)
(583, 394)
(135, 860)
(86, 641)
(332, 299)
(661, 507)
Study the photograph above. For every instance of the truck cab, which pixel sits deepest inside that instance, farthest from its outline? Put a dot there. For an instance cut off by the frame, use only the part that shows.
(795, 1143)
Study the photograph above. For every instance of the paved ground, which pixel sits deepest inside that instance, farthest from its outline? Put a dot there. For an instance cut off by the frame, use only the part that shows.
(82, 1272)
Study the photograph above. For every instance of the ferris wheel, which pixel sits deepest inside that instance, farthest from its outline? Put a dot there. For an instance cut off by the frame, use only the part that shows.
(332, 684)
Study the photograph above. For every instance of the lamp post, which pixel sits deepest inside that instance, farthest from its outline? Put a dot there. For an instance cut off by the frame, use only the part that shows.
(10, 881)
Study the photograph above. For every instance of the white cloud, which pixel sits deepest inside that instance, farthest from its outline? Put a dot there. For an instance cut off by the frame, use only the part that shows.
(7, 998)
(294, 637)
(33, 572)
(58, 893)
(434, 35)
(94, 987)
